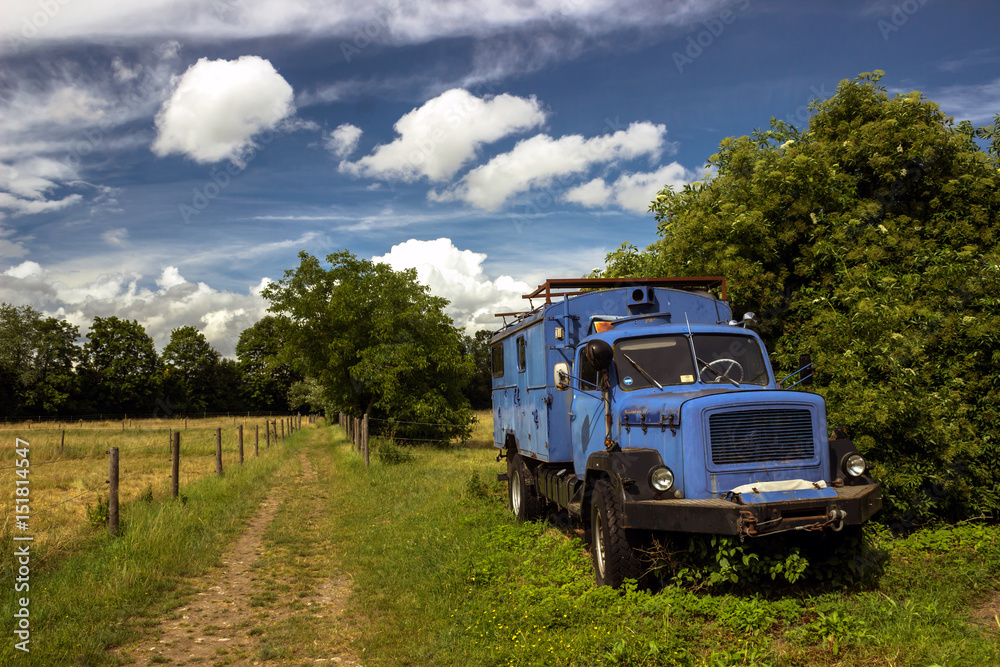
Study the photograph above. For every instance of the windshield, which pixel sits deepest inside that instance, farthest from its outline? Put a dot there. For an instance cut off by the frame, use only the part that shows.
(656, 361)
(729, 359)
(644, 362)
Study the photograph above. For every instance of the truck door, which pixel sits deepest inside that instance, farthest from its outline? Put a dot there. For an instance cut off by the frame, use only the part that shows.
(587, 421)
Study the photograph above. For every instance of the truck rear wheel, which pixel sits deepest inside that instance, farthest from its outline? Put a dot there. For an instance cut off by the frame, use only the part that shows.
(524, 503)
(615, 559)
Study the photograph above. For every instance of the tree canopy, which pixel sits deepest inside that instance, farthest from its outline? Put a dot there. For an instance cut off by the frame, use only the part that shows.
(122, 367)
(376, 342)
(870, 241)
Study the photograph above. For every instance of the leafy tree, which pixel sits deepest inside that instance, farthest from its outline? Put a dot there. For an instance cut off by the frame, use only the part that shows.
(227, 390)
(191, 370)
(53, 385)
(266, 378)
(121, 365)
(870, 241)
(37, 361)
(376, 342)
(480, 388)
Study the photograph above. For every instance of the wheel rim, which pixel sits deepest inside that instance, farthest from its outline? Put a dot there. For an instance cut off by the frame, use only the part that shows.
(599, 543)
(515, 493)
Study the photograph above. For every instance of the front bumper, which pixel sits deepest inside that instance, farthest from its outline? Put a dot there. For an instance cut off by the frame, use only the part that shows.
(853, 505)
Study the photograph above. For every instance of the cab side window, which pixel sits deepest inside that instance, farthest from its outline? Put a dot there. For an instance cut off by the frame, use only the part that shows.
(521, 354)
(588, 374)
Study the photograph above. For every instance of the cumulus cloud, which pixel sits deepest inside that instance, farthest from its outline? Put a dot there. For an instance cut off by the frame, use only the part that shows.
(595, 193)
(343, 140)
(218, 106)
(436, 139)
(540, 160)
(220, 314)
(632, 192)
(457, 275)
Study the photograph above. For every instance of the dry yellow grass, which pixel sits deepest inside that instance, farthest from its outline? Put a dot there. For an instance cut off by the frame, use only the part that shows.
(482, 429)
(69, 466)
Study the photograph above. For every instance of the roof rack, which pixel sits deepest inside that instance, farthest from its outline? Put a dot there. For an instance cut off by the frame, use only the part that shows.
(564, 286)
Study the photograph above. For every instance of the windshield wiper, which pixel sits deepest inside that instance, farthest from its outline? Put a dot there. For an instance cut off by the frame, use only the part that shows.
(644, 373)
(715, 370)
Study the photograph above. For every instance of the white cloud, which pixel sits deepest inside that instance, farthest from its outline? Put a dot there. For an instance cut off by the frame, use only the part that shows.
(632, 192)
(457, 275)
(540, 160)
(386, 21)
(218, 106)
(52, 126)
(978, 103)
(11, 248)
(117, 237)
(24, 270)
(220, 314)
(28, 206)
(343, 140)
(436, 139)
(595, 193)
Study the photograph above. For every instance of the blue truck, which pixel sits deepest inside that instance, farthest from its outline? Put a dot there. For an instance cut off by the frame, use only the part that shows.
(642, 408)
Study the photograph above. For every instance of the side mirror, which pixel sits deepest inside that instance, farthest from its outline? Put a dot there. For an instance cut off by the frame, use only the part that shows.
(561, 376)
(805, 363)
(599, 354)
(749, 319)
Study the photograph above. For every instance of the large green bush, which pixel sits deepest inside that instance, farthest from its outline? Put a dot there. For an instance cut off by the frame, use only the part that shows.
(870, 241)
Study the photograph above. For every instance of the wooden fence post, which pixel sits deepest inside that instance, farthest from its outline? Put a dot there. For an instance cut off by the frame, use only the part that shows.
(267, 432)
(175, 463)
(364, 437)
(62, 441)
(256, 440)
(282, 429)
(239, 430)
(218, 451)
(113, 493)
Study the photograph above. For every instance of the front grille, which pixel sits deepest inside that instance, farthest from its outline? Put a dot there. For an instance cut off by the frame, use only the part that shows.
(756, 436)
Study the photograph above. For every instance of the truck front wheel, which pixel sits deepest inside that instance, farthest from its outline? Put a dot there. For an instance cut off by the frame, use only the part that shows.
(615, 559)
(524, 503)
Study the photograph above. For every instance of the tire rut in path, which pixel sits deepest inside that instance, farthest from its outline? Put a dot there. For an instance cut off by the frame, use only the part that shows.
(216, 624)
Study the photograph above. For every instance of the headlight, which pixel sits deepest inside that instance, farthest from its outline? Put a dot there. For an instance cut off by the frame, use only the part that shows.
(854, 465)
(661, 478)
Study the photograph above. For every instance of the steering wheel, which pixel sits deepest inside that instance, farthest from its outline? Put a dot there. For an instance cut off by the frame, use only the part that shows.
(718, 367)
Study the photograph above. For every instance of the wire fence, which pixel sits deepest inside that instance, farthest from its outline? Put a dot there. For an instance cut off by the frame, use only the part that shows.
(64, 471)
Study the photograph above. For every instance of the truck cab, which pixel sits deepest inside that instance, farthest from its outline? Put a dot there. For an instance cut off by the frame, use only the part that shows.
(640, 406)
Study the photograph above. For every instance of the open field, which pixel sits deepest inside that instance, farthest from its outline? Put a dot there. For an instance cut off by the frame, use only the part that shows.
(69, 466)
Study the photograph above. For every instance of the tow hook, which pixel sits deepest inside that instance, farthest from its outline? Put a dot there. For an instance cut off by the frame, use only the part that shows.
(746, 524)
(837, 519)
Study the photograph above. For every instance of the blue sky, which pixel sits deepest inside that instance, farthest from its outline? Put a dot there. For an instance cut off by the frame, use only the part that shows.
(162, 160)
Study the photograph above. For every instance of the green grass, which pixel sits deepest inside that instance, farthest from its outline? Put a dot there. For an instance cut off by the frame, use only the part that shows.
(442, 575)
(97, 592)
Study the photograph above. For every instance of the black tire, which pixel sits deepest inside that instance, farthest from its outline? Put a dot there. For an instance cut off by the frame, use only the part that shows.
(614, 557)
(523, 501)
